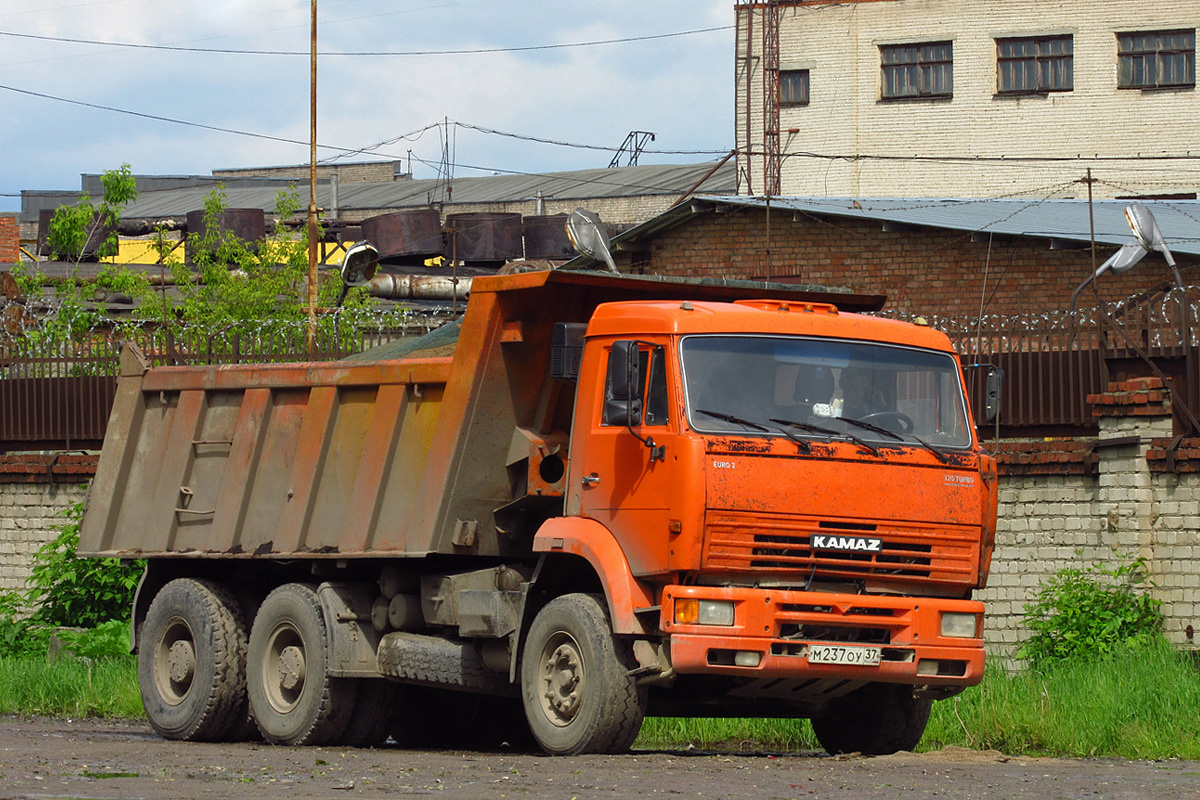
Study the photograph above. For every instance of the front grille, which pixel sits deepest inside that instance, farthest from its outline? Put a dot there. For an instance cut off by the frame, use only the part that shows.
(749, 542)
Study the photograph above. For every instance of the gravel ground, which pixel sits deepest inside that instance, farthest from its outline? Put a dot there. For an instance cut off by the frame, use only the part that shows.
(44, 758)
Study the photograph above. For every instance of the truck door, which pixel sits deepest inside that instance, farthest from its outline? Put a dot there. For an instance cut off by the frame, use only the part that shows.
(624, 478)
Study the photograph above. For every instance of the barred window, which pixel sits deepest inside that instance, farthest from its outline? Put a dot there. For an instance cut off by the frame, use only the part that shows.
(793, 87)
(917, 70)
(1028, 66)
(1156, 59)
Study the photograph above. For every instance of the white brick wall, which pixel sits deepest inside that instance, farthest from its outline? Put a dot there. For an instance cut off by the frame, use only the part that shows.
(839, 44)
(28, 519)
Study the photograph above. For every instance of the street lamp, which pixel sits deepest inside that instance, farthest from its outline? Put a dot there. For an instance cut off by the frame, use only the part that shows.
(1149, 237)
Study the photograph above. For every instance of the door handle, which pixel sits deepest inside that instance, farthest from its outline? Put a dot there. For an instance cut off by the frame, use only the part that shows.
(591, 480)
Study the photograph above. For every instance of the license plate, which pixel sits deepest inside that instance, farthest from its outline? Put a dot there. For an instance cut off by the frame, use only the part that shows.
(837, 654)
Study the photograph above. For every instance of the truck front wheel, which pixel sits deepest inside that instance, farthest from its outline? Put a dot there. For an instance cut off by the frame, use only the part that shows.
(876, 720)
(293, 698)
(192, 662)
(575, 680)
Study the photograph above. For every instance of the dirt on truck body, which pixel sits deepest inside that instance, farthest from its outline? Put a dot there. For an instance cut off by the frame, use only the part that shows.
(610, 497)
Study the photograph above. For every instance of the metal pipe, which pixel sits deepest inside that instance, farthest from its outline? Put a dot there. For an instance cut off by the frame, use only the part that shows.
(418, 287)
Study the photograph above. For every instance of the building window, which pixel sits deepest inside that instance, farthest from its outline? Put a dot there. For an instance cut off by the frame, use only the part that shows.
(1028, 66)
(1156, 59)
(918, 70)
(793, 87)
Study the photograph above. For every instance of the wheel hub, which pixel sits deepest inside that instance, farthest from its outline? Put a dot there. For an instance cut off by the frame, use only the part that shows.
(291, 668)
(562, 677)
(181, 662)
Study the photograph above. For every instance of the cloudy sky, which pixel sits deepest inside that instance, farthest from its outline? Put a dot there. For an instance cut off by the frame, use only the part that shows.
(678, 85)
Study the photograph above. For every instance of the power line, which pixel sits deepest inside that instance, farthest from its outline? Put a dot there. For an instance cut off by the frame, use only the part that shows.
(171, 120)
(372, 54)
(992, 159)
(539, 140)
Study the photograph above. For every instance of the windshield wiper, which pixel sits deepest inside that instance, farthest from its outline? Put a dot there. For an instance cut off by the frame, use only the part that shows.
(804, 446)
(873, 428)
(897, 436)
(804, 426)
(731, 418)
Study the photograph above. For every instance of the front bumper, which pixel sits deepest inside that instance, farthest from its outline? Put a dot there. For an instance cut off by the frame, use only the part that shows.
(781, 626)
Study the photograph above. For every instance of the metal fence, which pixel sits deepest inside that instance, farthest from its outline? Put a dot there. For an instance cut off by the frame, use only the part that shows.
(57, 395)
(1052, 362)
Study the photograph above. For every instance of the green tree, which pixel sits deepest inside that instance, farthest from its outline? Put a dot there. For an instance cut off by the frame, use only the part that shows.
(72, 227)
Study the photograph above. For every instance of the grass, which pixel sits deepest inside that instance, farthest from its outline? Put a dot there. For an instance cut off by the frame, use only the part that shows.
(1140, 705)
(69, 687)
(1143, 705)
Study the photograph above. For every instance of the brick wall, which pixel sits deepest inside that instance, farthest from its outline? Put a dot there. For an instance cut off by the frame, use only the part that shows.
(924, 270)
(1068, 504)
(839, 44)
(34, 490)
(371, 171)
(10, 239)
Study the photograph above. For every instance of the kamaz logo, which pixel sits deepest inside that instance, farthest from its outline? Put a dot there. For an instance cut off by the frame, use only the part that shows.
(849, 543)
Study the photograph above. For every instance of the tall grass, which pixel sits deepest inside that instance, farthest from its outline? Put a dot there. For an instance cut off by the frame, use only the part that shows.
(1137, 704)
(69, 687)
(1142, 704)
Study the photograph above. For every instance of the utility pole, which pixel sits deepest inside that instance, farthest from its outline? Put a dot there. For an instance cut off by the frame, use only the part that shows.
(312, 189)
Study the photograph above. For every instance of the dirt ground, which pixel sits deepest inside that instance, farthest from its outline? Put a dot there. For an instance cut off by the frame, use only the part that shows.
(56, 758)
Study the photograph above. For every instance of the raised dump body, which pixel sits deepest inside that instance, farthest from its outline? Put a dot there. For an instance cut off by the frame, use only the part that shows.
(608, 497)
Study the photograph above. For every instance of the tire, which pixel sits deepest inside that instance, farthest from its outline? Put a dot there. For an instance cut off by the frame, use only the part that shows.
(293, 698)
(575, 680)
(879, 719)
(374, 712)
(192, 662)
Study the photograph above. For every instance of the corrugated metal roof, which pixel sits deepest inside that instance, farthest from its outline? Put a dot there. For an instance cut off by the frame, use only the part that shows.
(666, 179)
(1065, 220)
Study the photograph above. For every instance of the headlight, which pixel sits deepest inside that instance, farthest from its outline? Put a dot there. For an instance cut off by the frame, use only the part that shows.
(956, 625)
(689, 611)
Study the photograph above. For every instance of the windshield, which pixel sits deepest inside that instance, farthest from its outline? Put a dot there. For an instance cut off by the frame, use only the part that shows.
(756, 385)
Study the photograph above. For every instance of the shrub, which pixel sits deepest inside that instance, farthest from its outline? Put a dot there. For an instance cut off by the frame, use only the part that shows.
(1092, 612)
(80, 592)
(70, 591)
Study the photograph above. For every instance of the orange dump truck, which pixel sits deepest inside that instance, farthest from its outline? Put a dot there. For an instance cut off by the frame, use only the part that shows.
(606, 497)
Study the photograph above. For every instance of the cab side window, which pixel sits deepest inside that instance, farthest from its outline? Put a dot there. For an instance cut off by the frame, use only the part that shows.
(651, 396)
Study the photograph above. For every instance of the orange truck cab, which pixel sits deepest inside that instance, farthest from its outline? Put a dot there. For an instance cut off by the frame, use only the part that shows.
(791, 552)
(597, 498)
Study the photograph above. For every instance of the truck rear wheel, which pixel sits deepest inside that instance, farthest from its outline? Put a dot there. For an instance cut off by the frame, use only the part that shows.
(575, 680)
(876, 720)
(192, 662)
(294, 699)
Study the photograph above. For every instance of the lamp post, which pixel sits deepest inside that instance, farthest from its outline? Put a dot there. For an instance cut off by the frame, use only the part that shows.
(1149, 237)
(1145, 228)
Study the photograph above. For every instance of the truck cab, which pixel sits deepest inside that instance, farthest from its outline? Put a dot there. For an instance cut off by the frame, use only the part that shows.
(802, 493)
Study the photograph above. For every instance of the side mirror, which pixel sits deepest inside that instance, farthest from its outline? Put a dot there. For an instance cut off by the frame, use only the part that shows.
(625, 367)
(624, 404)
(991, 393)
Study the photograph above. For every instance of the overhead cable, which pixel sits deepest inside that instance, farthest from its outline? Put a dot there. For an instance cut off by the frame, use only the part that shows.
(356, 53)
